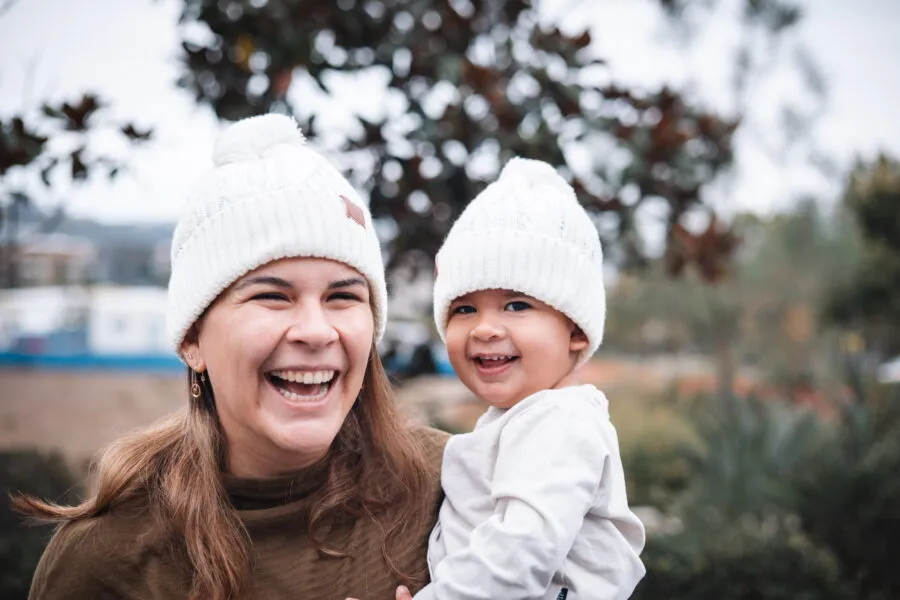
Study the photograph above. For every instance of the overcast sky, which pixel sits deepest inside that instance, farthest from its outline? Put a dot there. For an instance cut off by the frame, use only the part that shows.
(127, 52)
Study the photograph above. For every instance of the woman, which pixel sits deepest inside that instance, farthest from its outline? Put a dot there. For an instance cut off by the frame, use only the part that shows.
(290, 474)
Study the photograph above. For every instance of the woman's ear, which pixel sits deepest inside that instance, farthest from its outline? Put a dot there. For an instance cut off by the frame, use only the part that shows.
(190, 350)
(578, 341)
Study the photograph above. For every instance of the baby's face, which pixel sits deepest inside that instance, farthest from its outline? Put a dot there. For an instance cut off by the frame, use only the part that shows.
(505, 346)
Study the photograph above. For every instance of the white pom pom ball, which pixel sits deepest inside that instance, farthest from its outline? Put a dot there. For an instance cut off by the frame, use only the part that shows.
(254, 138)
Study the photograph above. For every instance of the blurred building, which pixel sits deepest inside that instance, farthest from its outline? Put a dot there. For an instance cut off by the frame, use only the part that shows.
(63, 251)
(127, 321)
(55, 259)
(132, 262)
(56, 323)
(43, 320)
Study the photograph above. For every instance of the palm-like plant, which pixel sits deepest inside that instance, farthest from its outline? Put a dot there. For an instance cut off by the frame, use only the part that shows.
(850, 500)
(752, 453)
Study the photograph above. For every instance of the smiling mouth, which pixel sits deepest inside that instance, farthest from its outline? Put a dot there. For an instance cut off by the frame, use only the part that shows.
(302, 386)
(494, 361)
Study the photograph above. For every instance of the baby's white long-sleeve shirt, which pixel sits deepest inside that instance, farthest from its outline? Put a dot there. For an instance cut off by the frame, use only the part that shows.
(535, 502)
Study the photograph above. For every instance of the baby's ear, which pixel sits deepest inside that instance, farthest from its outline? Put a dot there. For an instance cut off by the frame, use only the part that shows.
(578, 340)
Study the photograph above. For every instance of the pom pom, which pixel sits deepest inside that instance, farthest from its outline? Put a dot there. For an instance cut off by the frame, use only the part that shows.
(532, 173)
(254, 137)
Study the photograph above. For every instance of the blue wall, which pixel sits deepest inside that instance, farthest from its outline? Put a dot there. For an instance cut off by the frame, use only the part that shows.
(158, 363)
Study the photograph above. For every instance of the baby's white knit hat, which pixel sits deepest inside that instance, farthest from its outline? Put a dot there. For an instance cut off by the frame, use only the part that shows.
(268, 196)
(526, 232)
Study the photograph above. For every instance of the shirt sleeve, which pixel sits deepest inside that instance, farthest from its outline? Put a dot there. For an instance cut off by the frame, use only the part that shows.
(551, 460)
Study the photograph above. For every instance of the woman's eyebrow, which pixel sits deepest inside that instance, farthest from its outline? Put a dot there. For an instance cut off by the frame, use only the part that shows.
(343, 283)
(263, 280)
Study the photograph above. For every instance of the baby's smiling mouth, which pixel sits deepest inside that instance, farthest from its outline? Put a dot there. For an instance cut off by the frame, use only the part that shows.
(489, 361)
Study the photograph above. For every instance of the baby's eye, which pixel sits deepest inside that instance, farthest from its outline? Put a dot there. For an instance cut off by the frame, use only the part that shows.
(463, 309)
(517, 305)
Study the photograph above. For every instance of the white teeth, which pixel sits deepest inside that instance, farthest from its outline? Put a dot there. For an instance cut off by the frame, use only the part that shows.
(320, 379)
(494, 358)
(307, 377)
(320, 393)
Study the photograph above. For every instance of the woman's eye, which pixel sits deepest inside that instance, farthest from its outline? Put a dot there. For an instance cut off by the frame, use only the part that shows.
(517, 305)
(345, 296)
(269, 296)
(463, 310)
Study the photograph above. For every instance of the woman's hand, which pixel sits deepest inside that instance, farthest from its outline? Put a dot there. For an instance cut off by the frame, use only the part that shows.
(402, 593)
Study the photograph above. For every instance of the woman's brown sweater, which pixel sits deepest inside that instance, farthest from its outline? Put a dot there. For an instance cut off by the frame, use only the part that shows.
(128, 554)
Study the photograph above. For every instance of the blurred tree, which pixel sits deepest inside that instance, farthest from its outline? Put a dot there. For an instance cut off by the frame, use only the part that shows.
(792, 262)
(769, 306)
(759, 53)
(51, 142)
(870, 300)
(470, 83)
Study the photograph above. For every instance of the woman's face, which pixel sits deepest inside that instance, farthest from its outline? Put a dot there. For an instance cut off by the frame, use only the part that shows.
(285, 349)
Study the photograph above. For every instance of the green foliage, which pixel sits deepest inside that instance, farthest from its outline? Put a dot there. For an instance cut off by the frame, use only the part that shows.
(850, 499)
(786, 503)
(752, 452)
(656, 441)
(656, 475)
(21, 544)
(871, 299)
(741, 563)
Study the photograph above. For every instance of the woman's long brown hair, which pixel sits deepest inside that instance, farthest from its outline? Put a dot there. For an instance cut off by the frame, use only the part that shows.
(376, 470)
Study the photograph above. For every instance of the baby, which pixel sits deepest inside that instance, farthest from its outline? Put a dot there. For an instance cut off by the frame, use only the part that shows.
(535, 503)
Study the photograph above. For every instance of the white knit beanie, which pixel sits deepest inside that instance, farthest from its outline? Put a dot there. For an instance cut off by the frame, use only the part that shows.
(526, 232)
(268, 196)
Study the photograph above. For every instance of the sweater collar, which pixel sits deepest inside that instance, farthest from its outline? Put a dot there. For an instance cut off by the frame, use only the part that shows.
(254, 493)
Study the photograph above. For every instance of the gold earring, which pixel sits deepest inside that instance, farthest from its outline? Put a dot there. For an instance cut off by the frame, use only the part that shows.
(196, 392)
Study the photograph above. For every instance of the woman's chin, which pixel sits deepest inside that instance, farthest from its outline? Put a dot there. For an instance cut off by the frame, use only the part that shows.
(304, 440)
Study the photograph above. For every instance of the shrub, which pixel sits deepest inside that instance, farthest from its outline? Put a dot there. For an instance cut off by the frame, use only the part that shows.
(751, 454)
(741, 563)
(849, 500)
(21, 544)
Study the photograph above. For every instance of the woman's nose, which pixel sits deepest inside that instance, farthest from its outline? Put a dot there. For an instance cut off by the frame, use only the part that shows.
(310, 326)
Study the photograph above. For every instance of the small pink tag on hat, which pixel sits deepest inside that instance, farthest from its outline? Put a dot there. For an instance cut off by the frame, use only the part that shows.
(354, 212)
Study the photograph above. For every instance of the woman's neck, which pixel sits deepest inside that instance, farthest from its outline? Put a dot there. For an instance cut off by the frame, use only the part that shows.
(247, 463)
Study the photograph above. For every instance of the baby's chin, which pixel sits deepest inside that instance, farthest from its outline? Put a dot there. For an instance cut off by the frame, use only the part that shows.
(503, 400)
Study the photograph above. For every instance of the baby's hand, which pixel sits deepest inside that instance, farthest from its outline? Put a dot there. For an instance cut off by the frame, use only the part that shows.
(401, 594)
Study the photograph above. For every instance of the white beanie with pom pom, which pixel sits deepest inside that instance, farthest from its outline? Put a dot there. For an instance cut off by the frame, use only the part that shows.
(269, 196)
(526, 232)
